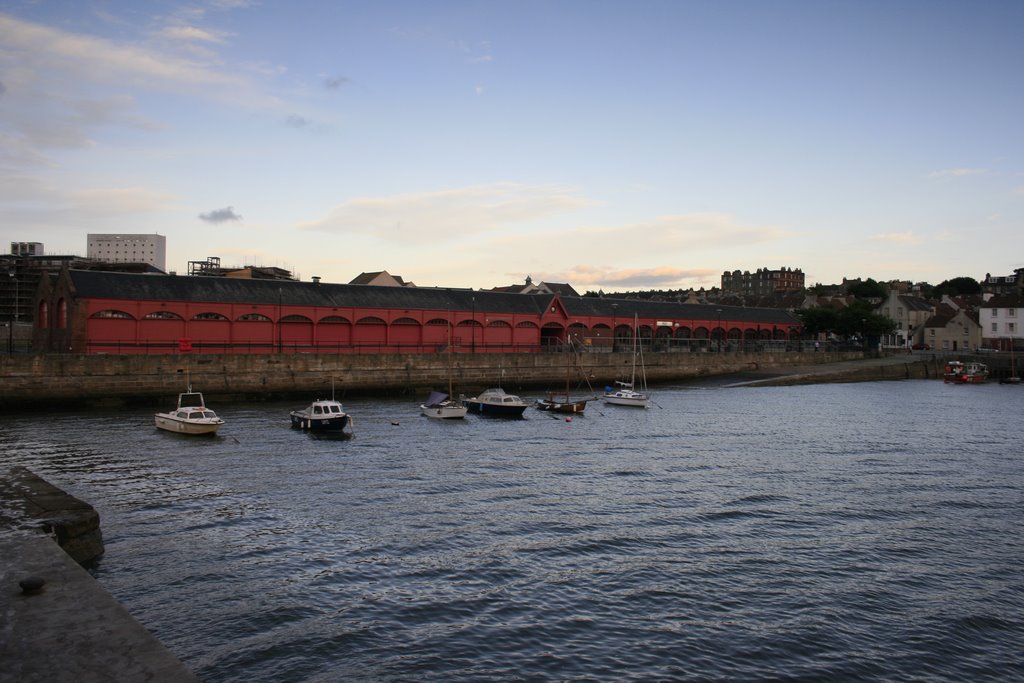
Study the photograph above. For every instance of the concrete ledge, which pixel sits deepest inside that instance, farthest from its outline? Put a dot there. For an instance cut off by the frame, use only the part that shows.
(72, 631)
(30, 502)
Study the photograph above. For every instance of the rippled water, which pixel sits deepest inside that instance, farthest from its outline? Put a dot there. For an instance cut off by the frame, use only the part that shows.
(860, 531)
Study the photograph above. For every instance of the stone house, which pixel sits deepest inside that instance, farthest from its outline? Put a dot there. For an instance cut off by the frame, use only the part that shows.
(951, 329)
(909, 313)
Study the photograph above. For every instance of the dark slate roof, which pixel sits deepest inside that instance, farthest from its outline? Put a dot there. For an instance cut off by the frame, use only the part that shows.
(95, 284)
(943, 314)
(667, 310)
(1004, 301)
(563, 288)
(914, 303)
(244, 291)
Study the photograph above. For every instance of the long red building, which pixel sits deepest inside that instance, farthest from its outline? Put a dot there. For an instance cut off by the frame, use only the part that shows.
(96, 312)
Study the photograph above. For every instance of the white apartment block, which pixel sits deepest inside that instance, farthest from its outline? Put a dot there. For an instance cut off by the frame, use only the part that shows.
(1001, 319)
(151, 249)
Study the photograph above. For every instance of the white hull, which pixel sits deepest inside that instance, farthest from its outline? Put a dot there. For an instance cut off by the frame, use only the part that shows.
(627, 398)
(191, 416)
(172, 424)
(444, 412)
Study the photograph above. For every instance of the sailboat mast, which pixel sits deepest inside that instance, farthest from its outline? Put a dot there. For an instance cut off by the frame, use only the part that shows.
(636, 333)
(449, 359)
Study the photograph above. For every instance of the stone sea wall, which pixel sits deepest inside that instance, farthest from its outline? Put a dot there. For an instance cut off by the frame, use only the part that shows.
(30, 380)
(29, 502)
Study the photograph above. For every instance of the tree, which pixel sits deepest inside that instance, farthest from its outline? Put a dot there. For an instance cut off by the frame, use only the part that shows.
(859, 319)
(958, 286)
(818, 319)
(869, 289)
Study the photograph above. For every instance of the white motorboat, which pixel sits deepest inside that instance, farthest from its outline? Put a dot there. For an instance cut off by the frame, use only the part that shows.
(191, 416)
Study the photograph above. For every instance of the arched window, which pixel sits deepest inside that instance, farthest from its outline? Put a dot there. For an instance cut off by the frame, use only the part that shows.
(110, 314)
(162, 315)
(253, 318)
(43, 319)
(62, 314)
(296, 319)
(209, 316)
(334, 320)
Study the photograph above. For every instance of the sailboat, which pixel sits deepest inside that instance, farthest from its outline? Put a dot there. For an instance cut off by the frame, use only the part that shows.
(562, 402)
(1014, 378)
(626, 393)
(441, 406)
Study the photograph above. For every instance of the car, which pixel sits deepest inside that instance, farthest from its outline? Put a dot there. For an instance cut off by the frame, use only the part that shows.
(921, 347)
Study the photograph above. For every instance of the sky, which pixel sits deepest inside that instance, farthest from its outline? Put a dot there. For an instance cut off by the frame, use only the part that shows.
(615, 146)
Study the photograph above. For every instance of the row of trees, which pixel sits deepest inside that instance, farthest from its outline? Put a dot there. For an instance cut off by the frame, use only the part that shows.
(856, 320)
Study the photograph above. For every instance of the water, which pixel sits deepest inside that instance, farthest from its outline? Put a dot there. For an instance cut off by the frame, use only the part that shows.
(851, 531)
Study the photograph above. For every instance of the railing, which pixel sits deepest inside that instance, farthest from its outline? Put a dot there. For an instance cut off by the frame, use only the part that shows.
(120, 347)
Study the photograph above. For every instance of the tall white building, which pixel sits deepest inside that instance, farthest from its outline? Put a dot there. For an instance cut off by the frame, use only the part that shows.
(151, 249)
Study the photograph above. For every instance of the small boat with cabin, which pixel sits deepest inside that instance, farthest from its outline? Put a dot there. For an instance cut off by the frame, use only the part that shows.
(497, 403)
(322, 415)
(959, 372)
(191, 416)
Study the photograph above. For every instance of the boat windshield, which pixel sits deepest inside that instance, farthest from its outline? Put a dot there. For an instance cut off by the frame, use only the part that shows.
(192, 400)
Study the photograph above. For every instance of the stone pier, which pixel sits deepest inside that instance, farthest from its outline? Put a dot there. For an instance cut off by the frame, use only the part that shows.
(57, 624)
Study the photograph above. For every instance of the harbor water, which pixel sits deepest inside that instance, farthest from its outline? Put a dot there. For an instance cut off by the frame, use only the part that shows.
(847, 531)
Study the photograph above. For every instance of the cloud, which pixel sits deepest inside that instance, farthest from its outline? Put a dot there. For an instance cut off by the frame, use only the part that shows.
(296, 121)
(1019, 190)
(220, 215)
(121, 200)
(448, 215)
(60, 85)
(97, 59)
(192, 34)
(897, 237)
(957, 172)
(663, 277)
(335, 82)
